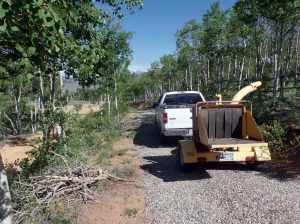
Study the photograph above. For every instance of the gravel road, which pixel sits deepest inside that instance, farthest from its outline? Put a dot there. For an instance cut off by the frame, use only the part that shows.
(217, 193)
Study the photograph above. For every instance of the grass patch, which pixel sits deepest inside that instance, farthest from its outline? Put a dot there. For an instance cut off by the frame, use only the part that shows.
(131, 134)
(56, 213)
(131, 212)
(125, 172)
(127, 160)
(106, 152)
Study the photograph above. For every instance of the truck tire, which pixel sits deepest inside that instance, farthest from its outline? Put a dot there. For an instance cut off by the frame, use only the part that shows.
(185, 167)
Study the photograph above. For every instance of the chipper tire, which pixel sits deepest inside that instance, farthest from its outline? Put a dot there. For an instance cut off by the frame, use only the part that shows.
(185, 167)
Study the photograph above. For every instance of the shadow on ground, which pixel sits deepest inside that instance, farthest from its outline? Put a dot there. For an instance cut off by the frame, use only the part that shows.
(167, 167)
(147, 134)
(278, 170)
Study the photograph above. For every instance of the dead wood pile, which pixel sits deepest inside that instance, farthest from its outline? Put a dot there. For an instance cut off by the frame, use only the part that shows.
(40, 191)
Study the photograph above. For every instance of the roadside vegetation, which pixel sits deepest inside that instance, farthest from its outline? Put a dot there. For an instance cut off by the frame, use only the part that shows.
(42, 44)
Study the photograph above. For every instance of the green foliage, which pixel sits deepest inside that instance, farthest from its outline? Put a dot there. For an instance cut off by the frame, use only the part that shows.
(127, 161)
(124, 172)
(131, 212)
(275, 136)
(295, 144)
(281, 144)
(40, 38)
(77, 107)
(56, 213)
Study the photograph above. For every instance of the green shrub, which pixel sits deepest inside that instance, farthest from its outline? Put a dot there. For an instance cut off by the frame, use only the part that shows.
(127, 171)
(274, 134)
(131, 212)
(55, 213)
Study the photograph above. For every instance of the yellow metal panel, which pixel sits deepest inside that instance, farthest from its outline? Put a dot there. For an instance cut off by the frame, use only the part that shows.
(202, 131)
(249, 128)
(221, 106)
(189, 151)
(245, 148)
(262, 153)
(244, 125)
(213, 156)
(237, 145)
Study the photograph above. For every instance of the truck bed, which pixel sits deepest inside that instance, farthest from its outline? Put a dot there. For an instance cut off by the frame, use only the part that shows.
(233, 142)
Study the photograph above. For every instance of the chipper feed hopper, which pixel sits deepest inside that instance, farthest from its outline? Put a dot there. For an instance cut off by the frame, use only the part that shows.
(223, 131)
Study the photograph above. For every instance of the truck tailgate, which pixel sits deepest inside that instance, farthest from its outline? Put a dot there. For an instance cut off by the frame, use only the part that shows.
(179, 118)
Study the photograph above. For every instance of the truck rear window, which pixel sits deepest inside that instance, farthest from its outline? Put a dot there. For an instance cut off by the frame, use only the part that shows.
(180, 99)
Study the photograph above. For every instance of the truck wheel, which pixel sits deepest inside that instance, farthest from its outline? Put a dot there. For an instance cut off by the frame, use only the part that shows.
(185, 167)
(252, 165)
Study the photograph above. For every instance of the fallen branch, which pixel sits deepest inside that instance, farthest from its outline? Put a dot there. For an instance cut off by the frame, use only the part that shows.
(65, 161)
(42, 190)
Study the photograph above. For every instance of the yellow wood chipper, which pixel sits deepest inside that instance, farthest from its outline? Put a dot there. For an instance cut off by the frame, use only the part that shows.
(224, 131)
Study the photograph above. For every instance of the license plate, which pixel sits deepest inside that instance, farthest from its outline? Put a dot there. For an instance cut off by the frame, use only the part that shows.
(225, 156)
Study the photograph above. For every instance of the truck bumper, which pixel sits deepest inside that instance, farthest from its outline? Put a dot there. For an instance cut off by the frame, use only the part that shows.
(184, 132)
(251, 153)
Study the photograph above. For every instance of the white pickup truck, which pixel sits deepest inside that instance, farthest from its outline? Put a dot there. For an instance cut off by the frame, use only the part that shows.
(173, 113)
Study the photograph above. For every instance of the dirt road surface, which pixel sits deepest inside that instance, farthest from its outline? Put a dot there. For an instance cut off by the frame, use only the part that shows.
(217, 193)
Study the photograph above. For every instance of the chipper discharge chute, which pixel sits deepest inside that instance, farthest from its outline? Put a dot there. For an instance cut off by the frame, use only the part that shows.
(223, 131)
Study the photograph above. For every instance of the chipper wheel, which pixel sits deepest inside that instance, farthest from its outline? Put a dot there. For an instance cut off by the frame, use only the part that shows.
(185, 167)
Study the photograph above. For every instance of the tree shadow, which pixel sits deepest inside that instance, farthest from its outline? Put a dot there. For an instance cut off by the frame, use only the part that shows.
(278, 171)
(167, 168)
(147, 134)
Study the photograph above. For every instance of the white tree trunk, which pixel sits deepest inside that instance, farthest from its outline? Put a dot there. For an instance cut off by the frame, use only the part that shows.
(108, 101)
(241, 72)
(186, 80)
(297, 53)
(5, 206)
(235, 67)
(11, 123)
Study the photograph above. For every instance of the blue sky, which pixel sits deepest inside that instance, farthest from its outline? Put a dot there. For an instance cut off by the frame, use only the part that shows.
(155, 26)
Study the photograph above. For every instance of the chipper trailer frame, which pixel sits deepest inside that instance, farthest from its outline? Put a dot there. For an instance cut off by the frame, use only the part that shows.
(223, 131)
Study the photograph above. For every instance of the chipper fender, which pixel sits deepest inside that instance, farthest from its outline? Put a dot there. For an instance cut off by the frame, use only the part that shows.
(187, 154)
(262, 153)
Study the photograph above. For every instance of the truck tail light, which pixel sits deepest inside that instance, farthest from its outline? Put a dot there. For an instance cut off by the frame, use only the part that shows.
(165, 118)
